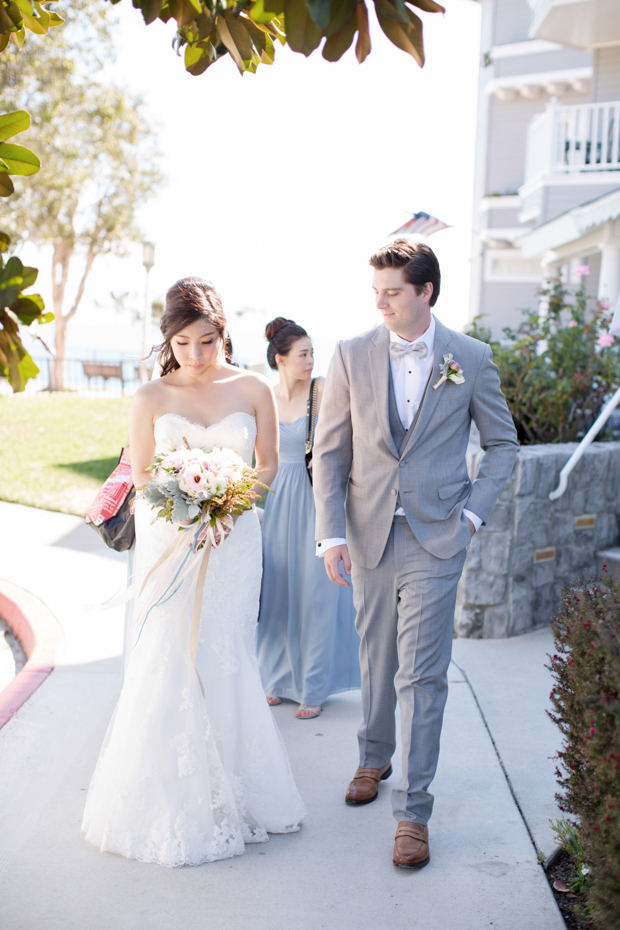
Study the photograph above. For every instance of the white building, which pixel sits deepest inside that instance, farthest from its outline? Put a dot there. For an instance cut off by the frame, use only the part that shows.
(547, 191)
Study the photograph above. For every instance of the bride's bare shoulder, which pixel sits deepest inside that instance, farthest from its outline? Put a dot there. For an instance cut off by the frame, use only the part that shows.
(248, 381)
(149, 396)
(255, 388)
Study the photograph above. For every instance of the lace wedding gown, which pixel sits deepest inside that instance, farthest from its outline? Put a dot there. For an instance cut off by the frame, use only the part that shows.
(183, 779)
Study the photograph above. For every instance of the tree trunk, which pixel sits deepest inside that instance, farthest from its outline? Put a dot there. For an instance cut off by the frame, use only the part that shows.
(60, 263)
(63, 253)
(58, 369)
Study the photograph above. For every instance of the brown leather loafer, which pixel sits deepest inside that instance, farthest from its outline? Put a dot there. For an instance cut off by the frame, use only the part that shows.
(411, 849)
(365, 785)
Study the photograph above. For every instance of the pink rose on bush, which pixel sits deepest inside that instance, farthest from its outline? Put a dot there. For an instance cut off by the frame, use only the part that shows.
(605, 340)
(604, 304)
(572, 323)
(582, 271)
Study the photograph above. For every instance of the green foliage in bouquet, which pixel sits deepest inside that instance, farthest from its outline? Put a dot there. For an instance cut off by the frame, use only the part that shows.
(586, 708)
(248, 29)
(16, 308)
(556, 370)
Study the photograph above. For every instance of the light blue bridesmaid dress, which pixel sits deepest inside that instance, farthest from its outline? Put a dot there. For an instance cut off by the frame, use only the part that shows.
(307, 645)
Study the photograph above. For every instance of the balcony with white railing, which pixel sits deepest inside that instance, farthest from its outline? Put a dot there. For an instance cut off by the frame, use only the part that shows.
(574, 140)
(577, 23)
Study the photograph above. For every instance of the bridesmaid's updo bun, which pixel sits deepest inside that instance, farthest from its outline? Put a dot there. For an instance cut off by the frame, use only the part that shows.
(281, 334)
(187, 302)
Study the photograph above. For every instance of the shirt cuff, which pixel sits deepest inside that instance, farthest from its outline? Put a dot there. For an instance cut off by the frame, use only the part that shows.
(324, 544)
(474, 519)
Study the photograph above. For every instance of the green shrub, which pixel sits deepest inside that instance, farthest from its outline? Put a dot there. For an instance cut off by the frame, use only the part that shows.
(586, 708)
(556, 370)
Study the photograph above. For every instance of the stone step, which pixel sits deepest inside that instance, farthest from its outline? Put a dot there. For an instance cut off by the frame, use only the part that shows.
(610, 558)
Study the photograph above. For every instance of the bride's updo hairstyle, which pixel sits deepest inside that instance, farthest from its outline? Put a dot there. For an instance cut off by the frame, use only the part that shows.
(189, 301)
(281, 334)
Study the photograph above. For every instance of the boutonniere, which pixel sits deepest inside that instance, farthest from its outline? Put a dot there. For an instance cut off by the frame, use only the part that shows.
(450, 371)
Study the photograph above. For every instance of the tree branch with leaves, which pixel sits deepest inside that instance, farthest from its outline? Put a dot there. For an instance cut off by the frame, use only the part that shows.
(247, 30)
(100, 164)
(16, 308)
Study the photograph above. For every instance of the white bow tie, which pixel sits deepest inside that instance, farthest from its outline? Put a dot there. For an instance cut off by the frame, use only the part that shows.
(398, 350)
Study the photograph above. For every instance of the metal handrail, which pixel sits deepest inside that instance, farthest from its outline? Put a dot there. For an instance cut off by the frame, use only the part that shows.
(587, 440)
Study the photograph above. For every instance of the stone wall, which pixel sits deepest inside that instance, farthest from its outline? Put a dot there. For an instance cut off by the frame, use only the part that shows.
(518, 563)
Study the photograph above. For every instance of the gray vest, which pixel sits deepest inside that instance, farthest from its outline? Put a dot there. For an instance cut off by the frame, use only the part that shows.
(398, 431)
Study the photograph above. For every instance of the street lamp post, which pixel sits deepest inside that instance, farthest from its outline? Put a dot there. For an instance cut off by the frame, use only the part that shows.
(148, 260)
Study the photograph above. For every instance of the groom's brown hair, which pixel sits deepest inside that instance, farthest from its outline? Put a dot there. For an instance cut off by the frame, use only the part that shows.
(418, 262)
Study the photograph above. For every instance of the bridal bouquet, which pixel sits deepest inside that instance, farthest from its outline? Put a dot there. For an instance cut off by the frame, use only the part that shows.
(193, 486)
(200, 490)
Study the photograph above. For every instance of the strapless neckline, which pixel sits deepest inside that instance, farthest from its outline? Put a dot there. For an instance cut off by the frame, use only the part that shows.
(179, 416)
(282, 423)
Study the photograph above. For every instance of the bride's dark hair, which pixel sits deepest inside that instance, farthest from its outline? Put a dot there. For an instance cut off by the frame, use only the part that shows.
(187, 302)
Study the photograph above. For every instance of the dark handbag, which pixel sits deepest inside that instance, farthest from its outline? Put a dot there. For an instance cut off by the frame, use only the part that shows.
(310, 424)
(111, 513)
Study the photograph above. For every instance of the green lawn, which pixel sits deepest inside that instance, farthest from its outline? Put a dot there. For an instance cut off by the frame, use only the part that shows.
(56, 449)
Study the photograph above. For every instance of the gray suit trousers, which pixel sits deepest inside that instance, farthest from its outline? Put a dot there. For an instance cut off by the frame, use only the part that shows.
(405, 618)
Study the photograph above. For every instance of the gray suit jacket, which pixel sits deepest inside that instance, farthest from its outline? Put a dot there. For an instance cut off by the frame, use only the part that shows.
(354, 445)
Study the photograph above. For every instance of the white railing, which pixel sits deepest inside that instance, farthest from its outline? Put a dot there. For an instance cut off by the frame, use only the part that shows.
(587, 440)
(573, 139)
(538, 154)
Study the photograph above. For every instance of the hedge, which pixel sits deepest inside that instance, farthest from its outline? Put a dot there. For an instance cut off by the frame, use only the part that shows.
(586, 708)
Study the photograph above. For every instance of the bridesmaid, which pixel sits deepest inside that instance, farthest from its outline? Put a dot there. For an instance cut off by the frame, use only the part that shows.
(307, 644)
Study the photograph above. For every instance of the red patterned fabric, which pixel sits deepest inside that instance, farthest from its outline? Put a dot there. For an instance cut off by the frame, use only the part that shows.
(112, 494)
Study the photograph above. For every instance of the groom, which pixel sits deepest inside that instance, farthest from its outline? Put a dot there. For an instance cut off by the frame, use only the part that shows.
(390, 475)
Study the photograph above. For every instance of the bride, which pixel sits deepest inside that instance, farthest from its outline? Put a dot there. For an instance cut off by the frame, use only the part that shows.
(184, 779)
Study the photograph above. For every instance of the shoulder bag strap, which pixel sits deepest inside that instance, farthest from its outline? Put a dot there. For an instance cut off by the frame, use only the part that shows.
(311, 415)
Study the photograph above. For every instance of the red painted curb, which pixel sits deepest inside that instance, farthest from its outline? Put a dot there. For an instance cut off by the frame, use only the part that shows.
(41, 638)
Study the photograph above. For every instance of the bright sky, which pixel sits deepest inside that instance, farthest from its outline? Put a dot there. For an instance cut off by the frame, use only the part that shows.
(281, 184)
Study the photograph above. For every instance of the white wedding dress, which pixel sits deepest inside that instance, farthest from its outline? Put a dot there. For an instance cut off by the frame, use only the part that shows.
(182, 779)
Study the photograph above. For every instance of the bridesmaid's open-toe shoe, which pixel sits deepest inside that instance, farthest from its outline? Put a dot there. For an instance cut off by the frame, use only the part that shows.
(307, 713)
(273, 701)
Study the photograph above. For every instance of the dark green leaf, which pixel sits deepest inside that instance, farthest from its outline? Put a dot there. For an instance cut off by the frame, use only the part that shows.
(271, 6)
(257, 36)
(6, 185)
(336, 45)
(151, 10)
(241, 38)
(205, 26)
(363, 46)
(428, 5)
(28, 308)
(302, 33)
(5, 241)
(406, 37)
(320, 12)
(342, 12)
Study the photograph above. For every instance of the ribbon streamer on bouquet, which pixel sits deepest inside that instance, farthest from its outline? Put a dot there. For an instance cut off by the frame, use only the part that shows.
(183, 558)
(155, 588)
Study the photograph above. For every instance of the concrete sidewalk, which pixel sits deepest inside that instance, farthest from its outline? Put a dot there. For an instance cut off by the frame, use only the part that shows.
(336, 873)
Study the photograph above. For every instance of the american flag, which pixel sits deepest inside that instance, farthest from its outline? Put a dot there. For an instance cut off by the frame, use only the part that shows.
(421, 224)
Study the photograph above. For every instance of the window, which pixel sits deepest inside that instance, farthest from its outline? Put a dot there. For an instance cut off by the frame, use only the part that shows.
(509, 266)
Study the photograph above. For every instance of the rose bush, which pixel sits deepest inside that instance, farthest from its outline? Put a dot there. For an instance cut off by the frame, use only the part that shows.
(558, 368)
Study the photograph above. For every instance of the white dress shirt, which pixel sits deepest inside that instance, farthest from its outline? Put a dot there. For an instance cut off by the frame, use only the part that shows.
(410, 376)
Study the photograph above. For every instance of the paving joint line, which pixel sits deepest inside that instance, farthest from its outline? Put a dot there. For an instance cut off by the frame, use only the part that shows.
(539, 852)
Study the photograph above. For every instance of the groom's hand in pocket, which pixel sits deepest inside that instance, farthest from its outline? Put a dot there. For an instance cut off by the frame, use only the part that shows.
(333, 557)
